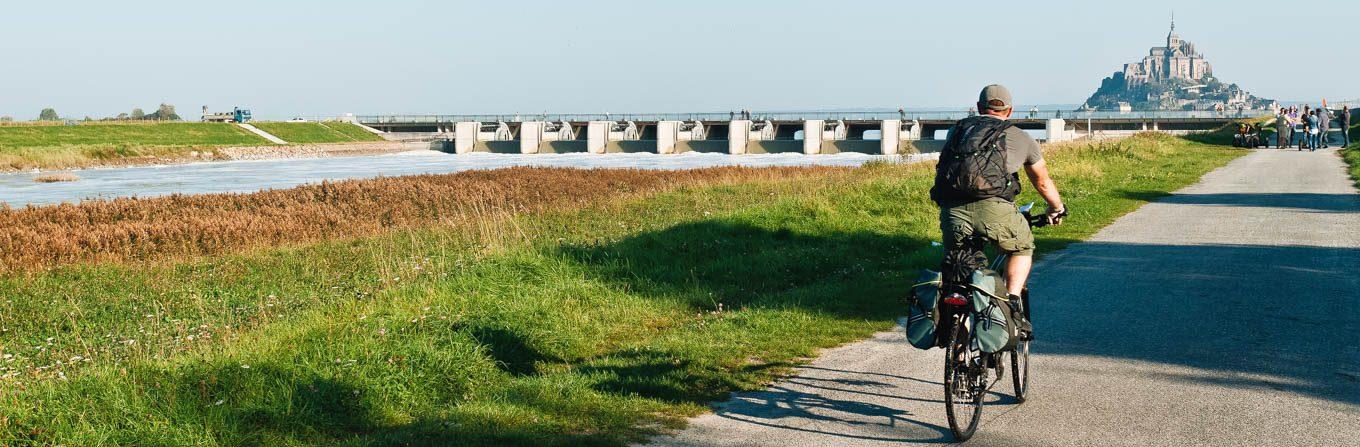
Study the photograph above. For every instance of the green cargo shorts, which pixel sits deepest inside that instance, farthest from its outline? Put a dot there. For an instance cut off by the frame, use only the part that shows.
(995, 219)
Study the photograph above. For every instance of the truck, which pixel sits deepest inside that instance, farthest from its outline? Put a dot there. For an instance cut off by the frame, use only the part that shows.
(236, 115)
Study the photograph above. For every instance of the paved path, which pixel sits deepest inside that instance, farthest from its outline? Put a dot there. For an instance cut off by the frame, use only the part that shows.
(1226, 314)
(262, 133)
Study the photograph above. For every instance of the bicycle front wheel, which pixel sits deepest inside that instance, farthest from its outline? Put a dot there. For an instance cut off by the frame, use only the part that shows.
(964, 382)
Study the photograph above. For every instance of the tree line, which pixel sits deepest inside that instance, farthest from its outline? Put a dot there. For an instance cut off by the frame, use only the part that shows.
(164, 112)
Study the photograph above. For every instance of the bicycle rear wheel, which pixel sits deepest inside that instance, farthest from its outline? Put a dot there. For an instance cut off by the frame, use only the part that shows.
(964, 382)
(1020, 370)
(1020, 356)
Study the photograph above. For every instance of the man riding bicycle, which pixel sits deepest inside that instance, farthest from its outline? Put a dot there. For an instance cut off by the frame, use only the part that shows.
(977, 180)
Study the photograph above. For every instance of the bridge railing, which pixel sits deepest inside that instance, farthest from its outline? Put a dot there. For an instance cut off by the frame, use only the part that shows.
(866, 115)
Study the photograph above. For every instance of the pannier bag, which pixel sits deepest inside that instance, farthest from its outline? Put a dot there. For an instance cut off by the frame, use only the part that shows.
(993, 325)
(922, 315)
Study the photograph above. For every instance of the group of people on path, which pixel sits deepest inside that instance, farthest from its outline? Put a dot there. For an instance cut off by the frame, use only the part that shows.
(1307, 128)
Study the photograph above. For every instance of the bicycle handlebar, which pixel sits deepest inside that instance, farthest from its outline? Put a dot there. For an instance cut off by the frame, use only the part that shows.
(1041, 220)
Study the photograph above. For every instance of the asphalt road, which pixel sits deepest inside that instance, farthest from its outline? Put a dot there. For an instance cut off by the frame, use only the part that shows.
(1227, 314)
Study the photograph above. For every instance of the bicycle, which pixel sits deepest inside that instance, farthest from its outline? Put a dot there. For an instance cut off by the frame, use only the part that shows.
(968, 370)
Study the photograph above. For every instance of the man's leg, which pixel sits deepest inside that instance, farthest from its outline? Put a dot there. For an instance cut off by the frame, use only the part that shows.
(1017, 272)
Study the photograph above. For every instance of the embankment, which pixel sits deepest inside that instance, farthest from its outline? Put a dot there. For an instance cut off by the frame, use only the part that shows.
(317, 132)
(579, 307)
(316, 150)
(51, 146)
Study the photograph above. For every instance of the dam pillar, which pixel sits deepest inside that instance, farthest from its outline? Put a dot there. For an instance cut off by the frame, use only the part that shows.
(597, 136)
(1056, 130)
(671, 133)
(738, 135)
(667, 135)
(465, 136)
(891, 138)
(530, 135)
(812, 136)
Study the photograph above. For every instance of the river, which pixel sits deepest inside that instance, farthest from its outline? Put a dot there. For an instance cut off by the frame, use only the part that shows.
(20, 189)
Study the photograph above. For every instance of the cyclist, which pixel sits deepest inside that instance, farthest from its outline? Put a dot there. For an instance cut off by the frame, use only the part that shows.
(977, 180)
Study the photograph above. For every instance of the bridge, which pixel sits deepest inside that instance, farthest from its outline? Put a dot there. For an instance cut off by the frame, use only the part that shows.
(814, 132)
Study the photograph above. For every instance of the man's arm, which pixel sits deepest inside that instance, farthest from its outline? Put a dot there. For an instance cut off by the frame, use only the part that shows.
(1038, 176)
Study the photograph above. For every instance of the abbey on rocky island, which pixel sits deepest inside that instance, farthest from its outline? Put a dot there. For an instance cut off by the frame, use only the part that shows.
(1177, 60)
(1171, 77)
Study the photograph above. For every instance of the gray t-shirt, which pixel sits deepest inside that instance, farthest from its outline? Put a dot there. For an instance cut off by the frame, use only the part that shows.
(1021, 149)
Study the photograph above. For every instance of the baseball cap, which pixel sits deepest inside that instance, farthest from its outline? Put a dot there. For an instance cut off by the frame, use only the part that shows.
(995, 92)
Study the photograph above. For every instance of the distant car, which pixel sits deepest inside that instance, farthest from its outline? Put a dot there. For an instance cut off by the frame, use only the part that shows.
(298, 120)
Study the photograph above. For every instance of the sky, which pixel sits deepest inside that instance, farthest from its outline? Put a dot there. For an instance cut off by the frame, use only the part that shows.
(288, 58)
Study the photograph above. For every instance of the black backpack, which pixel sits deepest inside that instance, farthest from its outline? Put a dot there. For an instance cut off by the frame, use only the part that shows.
(973, 163)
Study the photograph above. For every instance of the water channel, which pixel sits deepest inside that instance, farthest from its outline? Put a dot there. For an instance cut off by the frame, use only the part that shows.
(20, 189)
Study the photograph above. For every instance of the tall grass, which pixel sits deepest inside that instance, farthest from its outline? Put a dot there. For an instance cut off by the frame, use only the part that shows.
(596, 322)
(132, 229)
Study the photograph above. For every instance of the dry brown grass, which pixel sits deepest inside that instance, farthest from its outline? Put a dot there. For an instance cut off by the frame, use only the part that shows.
(54, 177)
(174, 226)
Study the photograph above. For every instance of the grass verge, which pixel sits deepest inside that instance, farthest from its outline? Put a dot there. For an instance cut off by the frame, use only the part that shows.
(597, 324)
(1352, 154)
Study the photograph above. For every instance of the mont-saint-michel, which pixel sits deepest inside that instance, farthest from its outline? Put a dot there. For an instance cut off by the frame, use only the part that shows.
(1172, 77)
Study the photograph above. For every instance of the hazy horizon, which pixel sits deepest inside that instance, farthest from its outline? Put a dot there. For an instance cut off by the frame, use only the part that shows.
(325, 58)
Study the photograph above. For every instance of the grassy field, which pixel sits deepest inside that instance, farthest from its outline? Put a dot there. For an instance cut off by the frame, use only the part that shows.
(596, 321)
(317, 132)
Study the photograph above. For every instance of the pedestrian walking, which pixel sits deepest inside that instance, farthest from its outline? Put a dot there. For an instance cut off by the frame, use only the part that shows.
(1282, 128)
(1311, 135)
(1346, 126)
(1324, 125)
(1302, 130)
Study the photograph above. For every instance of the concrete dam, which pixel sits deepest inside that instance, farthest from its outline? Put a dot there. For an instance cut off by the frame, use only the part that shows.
(886, 133)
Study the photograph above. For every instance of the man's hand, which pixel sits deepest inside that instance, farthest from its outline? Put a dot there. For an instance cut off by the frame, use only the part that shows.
(1056, 214)
(1038, 175)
